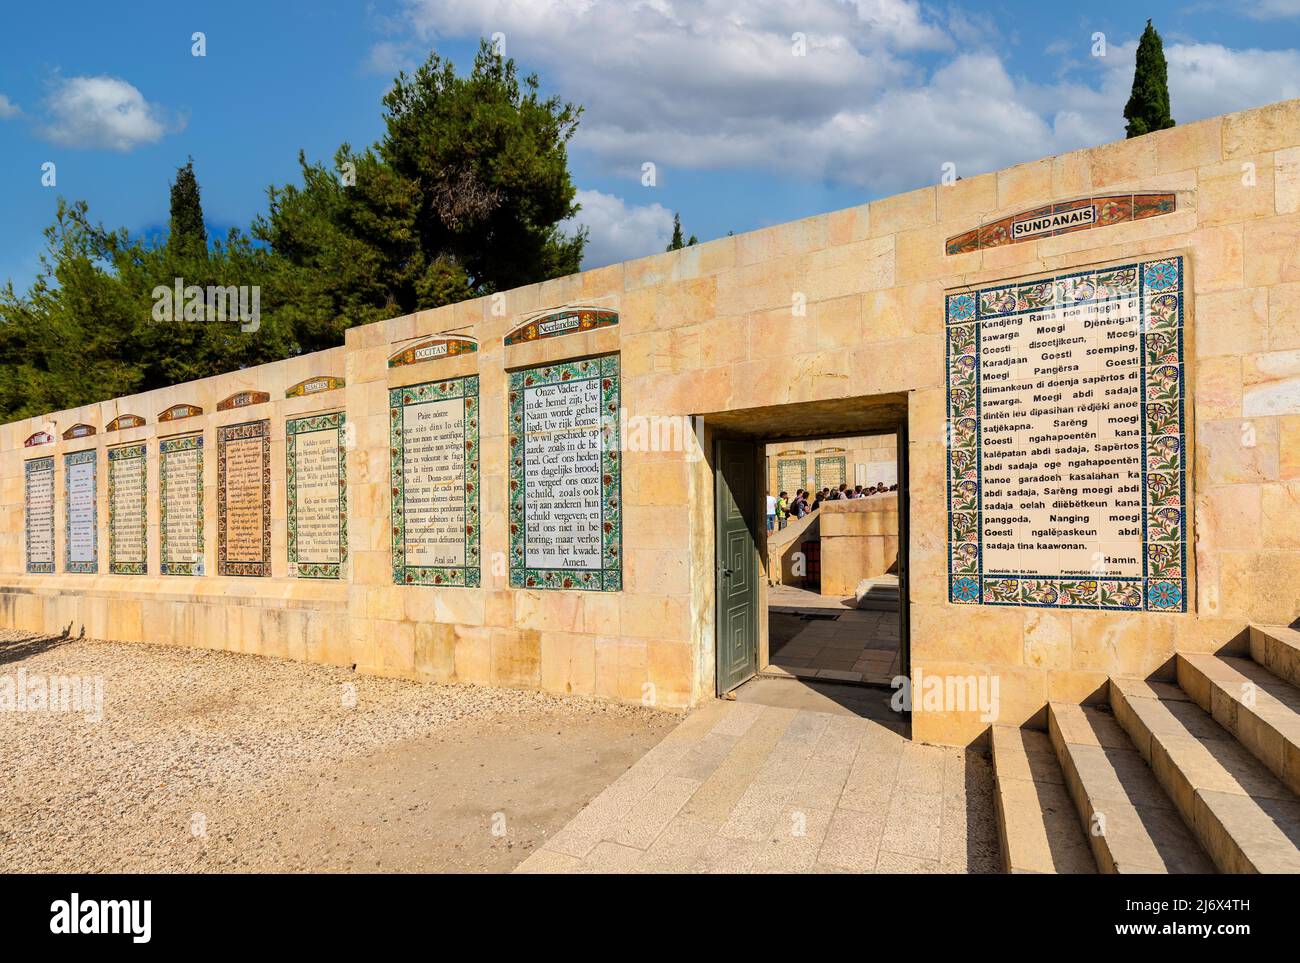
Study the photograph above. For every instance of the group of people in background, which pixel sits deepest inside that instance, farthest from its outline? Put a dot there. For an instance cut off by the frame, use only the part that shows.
(781, 508)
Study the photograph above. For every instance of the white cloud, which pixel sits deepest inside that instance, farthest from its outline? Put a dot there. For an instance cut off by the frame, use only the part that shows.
(104, 112)
(1273, 9)
(618, 231)
(388, 57)
(714, 84)
(8, 108)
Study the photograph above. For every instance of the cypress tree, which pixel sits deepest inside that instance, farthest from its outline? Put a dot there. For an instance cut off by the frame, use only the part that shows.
(188, 236)
(1148, 106)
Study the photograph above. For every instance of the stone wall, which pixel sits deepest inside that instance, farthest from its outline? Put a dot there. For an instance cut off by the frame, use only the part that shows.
(696, 337)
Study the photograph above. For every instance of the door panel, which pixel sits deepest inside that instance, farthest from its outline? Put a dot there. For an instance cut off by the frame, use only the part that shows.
(736, 499)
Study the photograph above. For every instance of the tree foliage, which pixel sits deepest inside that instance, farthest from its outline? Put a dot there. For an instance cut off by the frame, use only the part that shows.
(1148, 105)
(465, 194)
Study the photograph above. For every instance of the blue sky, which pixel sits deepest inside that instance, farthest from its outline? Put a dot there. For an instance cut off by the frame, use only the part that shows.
(742, 131)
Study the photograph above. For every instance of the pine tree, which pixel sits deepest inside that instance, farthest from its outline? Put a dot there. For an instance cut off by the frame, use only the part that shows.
(187, 234)
(1148, 106)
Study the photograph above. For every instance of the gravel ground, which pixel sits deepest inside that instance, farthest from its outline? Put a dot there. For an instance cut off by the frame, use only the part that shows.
(215, 761)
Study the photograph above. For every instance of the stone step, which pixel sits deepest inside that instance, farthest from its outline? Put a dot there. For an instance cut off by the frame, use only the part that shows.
(1131, 824)
(1241, 813)
(1259, 709)
(1277, 649)
(1037, 825)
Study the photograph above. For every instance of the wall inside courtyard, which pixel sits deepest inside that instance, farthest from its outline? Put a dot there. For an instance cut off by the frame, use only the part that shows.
(697, 333)
(816, 464)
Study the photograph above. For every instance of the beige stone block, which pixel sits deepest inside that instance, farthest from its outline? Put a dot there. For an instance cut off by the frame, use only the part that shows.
(395, 649)
(1271, 253)
(846, 269)
(1237, 452)
(1228, 517)
(1281, 515)
(1122, 163)
(848, 225)
(1266, 129)
(1284, 316)
(1289, 446)
(726, 342)
(947, 633)
(557, 661)
(601, 613)
(708, 257)
(1286, 180)
(605, 676)
(903, 212)
(1236, 190)
(655, 482)
(1231, 322)
(548, 611)
(652, 571)
(756, 287)
(435, 651)
(837, 323)
(670, 670)
(655, 617)
(1024, 186)
(633, 671)
(1078, 687)
(1189, 145)
(1271, 384)
(1047, 640)
(1218, 259)
(920, 256)
(1132, 645)
(474, 654)
(1218, 388)
(781, 240)
(1072, 175)
(967, 202)
(516, 658)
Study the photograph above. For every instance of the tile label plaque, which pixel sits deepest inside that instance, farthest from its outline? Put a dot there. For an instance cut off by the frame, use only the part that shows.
(565, 476)
(128, 523)
(80, 510)
(317, 495)
(180, 498)
(38, 509)
(1066, 444)
(433, 437)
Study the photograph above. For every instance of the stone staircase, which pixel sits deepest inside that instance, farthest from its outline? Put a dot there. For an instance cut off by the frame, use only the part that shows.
(1197, 777)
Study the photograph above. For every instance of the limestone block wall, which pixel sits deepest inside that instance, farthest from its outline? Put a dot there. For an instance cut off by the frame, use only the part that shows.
(859, 540)
(863, 451)
(698, 336)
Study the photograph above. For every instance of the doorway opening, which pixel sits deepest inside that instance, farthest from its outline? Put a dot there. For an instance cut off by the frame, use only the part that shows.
(811, 542)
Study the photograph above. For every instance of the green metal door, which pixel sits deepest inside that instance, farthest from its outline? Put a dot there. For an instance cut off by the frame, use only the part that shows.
(736, 498)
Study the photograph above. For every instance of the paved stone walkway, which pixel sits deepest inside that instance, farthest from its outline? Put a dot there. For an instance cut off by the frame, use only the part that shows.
(803, 784)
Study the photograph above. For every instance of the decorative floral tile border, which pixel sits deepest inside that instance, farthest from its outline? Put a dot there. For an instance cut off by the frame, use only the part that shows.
(171, 446)
(610, 576)
(117, 456)
(398, 398)
(1158, 285)
(69, 460)
(1106, 210)
(293, 427)
(782, 464)
(554, 324)
(834, 462)
(32, 467)
(242, 432)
